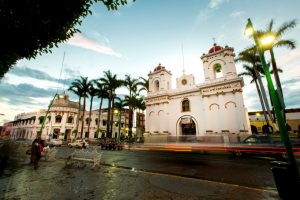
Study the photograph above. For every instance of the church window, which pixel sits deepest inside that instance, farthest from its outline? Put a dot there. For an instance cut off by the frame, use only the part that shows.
(41, 119)
(49, 119)
(185, 105)
(70, 119)
(58, 119)
(218, 70)
(96, 121)
(87, 121)
(156, 86)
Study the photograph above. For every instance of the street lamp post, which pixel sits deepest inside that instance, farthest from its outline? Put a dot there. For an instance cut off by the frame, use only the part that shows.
(118, 113)
(276, 102)
(275, 99)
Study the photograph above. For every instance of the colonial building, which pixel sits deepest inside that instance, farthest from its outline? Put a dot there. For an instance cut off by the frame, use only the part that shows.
(258, 122)
(6, 129)
(62, 119)
(213, 107)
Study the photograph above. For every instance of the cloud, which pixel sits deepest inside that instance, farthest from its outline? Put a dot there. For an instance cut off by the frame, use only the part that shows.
(22, 94)
(292, 81)
(237, 13)
(289, 58)
(80, 41)
(204, 14)
(215, 3)
(32, 73)
(71, 73)
(41, 79)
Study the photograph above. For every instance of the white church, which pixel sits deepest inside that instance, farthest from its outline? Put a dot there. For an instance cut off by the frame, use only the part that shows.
(215, 107)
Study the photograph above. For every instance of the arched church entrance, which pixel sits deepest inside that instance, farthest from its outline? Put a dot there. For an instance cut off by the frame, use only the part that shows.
(188, 126)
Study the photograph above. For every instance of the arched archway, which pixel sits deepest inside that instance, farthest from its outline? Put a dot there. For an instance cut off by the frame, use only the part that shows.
(254, 129)
(267, 129)
(187, 126)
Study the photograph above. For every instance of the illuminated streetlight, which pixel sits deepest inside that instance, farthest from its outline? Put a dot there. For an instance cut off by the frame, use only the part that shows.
(267, 40)
(275, 99)
(118, 113)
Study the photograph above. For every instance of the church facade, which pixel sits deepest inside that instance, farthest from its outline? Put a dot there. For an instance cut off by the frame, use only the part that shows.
(213, 107)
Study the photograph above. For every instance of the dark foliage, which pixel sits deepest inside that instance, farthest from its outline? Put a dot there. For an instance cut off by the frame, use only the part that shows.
(33, 27)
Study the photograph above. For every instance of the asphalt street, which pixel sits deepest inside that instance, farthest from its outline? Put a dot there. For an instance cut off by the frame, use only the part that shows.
(142, 175)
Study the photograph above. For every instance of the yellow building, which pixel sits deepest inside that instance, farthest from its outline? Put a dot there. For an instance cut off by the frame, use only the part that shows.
(258, 122)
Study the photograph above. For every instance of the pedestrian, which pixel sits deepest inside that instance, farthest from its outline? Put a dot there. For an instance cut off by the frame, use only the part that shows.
(38, 146)
(33, 151)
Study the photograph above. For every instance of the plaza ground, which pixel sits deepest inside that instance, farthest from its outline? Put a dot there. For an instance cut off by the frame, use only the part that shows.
(55, 181)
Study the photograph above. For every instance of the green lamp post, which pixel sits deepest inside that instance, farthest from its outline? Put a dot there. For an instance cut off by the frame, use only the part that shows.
(44, 120)
(250, 31)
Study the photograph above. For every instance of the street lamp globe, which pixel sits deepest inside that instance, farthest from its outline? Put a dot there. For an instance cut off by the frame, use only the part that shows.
(249, 29)
(267, 41)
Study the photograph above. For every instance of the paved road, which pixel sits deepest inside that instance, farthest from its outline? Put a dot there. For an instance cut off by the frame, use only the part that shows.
(143, 175)
(246, 171)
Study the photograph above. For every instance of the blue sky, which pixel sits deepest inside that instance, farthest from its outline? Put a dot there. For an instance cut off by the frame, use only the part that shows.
(135, 38)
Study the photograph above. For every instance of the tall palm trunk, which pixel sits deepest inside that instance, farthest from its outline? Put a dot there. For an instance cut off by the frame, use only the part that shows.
(108, 119)
(83, 113)
(130, 121)
(263, 91)
(120, 117)
(112, 114)
(261, 102)
(78, 116)
(278, 83)
(99, 113)
(90, 115)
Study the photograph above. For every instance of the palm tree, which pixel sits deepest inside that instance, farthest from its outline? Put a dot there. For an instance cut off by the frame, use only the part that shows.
(76, 89)
(131, 102)
(250, 56)
(141, 105)
(92, 92)
(131, 84)
(83, 86)
(111, 82)
(279, 43)
(250, 72)
(102, 94)
(144, 83)
(119, 105)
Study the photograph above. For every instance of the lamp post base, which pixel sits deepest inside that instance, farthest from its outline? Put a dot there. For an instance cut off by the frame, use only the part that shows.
(287, 182)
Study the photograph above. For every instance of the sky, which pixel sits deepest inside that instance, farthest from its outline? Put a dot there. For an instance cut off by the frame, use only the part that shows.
(136, 38)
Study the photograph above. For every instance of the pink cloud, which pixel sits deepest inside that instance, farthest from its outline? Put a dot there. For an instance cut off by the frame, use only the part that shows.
(80, 41)
(290, 58)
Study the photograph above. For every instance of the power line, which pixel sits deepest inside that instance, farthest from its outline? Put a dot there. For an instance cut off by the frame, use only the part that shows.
(183, 70)
(62, 66)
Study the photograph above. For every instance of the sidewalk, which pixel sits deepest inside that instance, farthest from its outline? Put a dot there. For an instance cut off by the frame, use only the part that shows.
(53, 181)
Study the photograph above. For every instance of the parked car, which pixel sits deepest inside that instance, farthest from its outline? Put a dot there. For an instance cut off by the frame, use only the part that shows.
(54, 142)
(78, 144)
(262, 145)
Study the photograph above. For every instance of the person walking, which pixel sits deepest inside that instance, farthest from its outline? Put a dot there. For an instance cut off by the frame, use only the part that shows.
(33, 151)
(38, 148)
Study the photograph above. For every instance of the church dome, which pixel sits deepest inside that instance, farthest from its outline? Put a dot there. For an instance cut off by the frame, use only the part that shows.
(158, 68)
(215, 48)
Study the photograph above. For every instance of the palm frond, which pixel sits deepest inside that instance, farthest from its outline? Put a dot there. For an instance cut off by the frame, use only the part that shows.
(286, 43)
